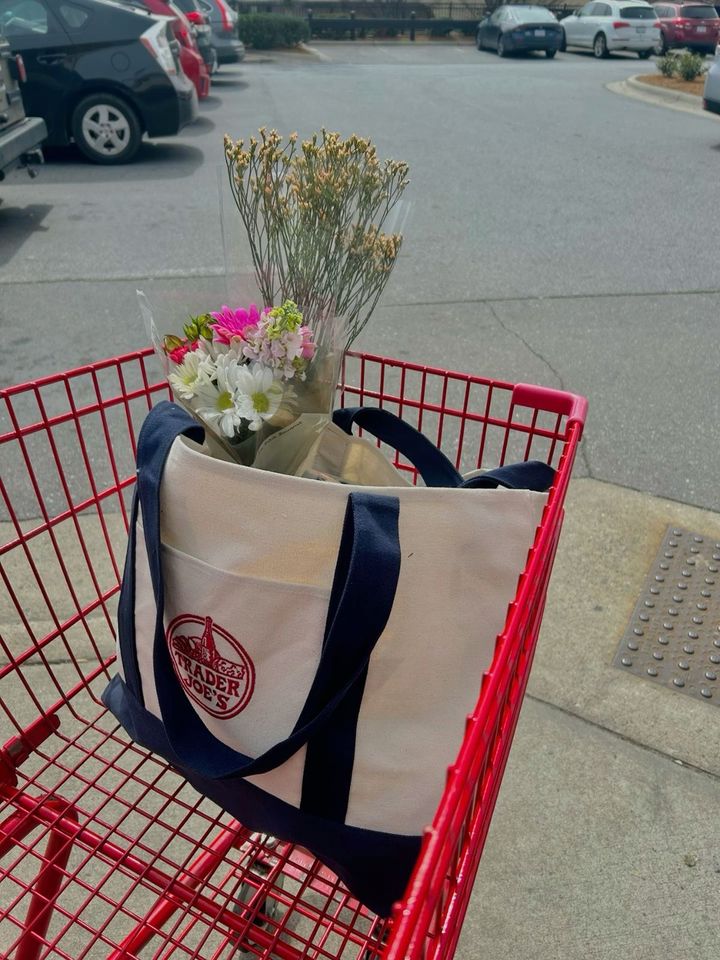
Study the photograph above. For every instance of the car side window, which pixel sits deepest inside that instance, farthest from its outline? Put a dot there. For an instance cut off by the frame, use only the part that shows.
(601, 10)
(20, 18)
(73, 15)
(586, 10)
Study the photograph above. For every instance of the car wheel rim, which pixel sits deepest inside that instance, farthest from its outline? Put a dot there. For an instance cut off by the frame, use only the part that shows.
(598, 48)
(106, 130)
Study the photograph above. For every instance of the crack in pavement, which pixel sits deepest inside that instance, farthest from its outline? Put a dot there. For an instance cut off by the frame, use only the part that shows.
(621, 736)
(584, 456)
(195, 273)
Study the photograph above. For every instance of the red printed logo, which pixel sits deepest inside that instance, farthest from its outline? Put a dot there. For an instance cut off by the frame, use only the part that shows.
(211, 665)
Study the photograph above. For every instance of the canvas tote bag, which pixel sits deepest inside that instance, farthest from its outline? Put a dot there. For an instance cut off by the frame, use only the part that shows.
(304, 652)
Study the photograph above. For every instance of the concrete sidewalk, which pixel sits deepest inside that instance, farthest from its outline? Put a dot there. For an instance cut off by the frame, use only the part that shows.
(603, 845)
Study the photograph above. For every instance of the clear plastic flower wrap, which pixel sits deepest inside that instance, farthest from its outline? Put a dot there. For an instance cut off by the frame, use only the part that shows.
(262, 377)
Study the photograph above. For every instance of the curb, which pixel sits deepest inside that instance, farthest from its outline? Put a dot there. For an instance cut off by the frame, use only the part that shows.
(672, 99)
(671, 95)
(314, 52)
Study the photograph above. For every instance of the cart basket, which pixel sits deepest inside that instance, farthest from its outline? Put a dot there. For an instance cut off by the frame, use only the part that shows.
(105, 851)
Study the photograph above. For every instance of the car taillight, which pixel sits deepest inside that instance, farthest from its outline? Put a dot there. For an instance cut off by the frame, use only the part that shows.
(21, 71)
(196, 18)
(155, 41)
(20, 68)
(619, 24)
(680, 22)
(225, 14)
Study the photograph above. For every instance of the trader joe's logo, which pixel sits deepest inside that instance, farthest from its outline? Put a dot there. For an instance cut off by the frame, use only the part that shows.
(213, 668)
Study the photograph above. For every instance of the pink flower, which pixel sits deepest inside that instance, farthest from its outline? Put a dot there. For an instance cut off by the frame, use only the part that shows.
(178, 354)
(307, 350)
(233, 323)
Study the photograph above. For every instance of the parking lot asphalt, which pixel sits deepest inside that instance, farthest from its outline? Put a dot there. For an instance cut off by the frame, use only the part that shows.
(557, 234)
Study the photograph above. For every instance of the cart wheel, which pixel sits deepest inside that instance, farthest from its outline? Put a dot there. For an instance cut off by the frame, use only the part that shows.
(372, 953)
(270, 911)
(258, 866)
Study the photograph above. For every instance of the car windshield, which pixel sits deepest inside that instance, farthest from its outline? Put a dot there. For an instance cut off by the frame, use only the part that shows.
(532, 14)
(699, 13)
(638, 13)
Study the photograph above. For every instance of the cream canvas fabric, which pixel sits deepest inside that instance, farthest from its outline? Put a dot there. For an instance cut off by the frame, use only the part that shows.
(259, 551)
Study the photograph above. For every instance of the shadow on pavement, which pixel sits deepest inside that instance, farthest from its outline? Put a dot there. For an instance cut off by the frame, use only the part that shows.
(17, 224)
(155, 160)
(226, 82)
(199, 127)
(210, 103)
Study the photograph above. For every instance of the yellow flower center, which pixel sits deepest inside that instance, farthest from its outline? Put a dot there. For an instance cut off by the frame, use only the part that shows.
(224, 400)
(260, 402)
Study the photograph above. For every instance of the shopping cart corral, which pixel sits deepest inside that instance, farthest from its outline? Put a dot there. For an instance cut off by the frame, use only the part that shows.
(105, 852)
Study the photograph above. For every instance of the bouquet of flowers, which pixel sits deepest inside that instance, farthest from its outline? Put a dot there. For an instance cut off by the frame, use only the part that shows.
(314, 216)
(233, 369)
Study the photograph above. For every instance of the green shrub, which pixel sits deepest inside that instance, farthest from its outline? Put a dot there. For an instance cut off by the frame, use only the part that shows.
(668, 64)
(263, 31)
(690, 65)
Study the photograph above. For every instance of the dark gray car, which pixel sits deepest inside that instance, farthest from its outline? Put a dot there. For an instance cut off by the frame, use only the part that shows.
(223, 22)
(20, 136)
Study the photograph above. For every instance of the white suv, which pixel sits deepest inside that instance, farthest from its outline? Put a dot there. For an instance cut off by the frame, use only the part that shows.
(606, 25)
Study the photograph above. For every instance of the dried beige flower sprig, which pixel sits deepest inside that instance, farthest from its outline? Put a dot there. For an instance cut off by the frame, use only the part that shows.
(314, 216)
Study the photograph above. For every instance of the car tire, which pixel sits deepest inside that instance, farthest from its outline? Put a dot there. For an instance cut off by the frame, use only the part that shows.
(501, 50)
(662, 48)
(550, 54)
(600, 49)
(106, 129)
(479, 45)
(644, 54)
(563, 42)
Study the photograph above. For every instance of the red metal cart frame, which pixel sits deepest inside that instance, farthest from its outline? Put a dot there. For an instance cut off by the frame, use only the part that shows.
(104, 851)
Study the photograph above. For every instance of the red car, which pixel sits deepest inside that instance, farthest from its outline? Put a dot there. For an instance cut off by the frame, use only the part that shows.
(695, 26)
(191, 59)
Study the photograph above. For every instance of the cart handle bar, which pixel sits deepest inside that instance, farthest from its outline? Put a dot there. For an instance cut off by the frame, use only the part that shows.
(555, 401)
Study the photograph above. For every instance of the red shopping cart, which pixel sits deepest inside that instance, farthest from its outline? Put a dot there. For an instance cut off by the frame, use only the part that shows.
(105, 852)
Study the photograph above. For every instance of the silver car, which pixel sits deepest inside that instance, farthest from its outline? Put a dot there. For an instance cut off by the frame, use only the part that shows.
(607, 25)
(711, 93)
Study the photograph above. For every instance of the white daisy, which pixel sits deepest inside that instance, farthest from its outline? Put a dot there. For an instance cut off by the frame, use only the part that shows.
(259, 394)
(194, 372)
(219, 402)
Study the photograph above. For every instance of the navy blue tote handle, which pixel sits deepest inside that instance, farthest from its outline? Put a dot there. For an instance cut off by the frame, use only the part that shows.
(431, 463)
(361, 600)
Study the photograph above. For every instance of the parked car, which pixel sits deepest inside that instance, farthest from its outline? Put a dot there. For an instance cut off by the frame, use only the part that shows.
(202, 30)
(513, 28)
(611, 25)
(21, 137)
(711, 91)
(223, 23)
(191, 60)
(99, 73)
(695, 26)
